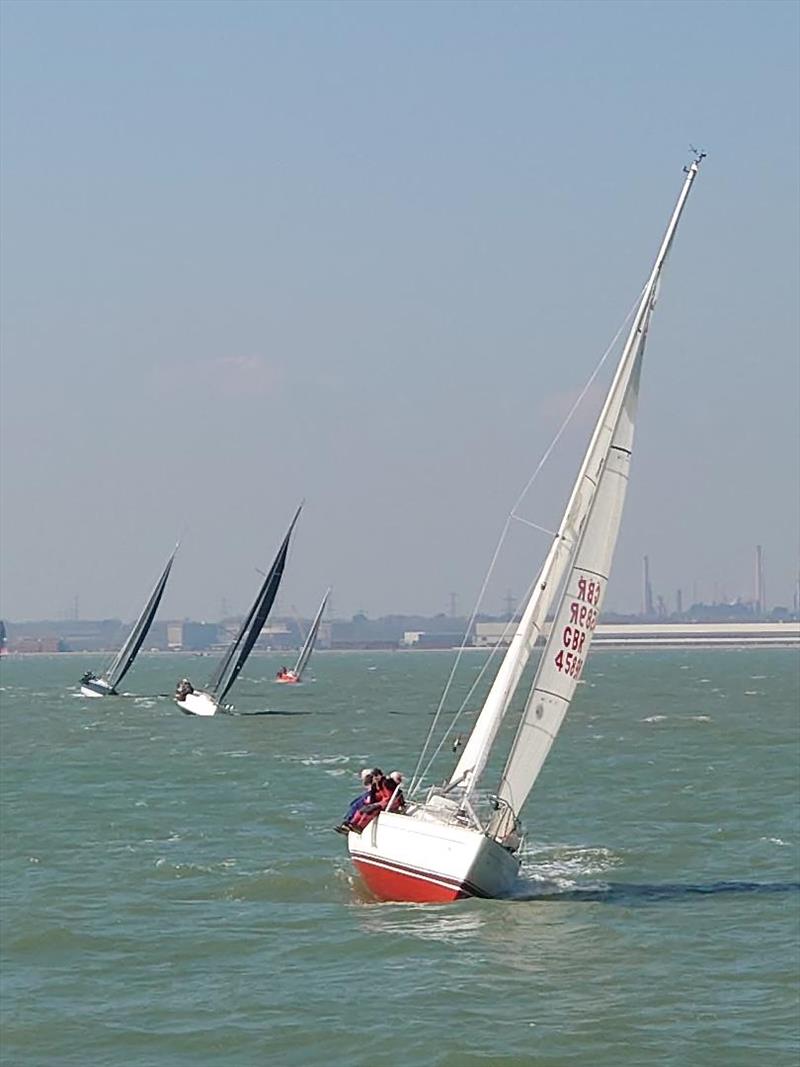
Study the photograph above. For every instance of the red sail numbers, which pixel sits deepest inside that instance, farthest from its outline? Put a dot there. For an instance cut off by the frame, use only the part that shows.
(583, 612)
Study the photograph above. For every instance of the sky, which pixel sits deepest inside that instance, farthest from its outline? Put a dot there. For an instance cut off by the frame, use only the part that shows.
(367, 255)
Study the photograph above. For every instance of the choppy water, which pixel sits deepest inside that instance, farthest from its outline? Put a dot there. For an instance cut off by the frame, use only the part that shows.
(173, 893)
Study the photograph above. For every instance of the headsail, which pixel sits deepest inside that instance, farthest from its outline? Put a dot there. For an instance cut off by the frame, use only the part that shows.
(574, 623)
(127, 654)
(308, 647)
(240, 648)
(599, 489)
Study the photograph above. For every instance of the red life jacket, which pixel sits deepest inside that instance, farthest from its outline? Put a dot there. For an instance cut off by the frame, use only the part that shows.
(384, 793)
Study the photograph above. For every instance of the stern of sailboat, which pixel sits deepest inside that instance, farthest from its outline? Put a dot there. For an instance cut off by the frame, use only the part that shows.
(422, 859)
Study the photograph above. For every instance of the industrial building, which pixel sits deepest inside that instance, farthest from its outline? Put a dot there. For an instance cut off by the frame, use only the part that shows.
(666, 634)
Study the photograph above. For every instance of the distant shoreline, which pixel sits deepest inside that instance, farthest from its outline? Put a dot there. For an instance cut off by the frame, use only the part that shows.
(630, 645)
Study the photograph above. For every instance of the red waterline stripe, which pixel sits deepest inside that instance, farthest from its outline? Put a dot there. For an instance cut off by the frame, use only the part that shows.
(441, 880)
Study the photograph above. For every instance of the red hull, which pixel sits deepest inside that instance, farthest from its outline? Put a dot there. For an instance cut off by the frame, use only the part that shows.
(402, 884)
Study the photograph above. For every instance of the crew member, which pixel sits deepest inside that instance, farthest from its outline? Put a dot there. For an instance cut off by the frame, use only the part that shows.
(380, 797)
(357, 803)
(185, 687)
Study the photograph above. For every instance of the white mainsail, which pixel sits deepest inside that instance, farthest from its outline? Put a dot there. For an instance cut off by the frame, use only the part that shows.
(310, 641)
(599, 491)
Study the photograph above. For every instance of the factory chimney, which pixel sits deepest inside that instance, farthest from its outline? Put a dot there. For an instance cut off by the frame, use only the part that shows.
(647, 589)
(760, 602)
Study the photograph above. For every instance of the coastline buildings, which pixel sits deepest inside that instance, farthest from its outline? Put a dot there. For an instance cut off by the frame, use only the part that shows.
(669, 634)
(708, 625)
(187, 636)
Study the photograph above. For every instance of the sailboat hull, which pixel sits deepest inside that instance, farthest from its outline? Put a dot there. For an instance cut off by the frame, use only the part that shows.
(198, 703)
(287, 679)
(97, 688)
(423, 860)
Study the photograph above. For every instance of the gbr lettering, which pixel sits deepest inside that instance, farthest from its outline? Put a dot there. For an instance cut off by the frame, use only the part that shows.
(582, 619)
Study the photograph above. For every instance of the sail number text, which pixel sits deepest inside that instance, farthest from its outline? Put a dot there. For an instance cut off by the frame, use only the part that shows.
(583, 612)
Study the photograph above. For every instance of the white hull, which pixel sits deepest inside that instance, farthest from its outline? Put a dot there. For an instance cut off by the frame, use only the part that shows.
(198, 703)
(99, 688)
(421, 858)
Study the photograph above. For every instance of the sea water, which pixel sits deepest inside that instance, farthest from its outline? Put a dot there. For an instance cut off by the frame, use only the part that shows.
(173, 892)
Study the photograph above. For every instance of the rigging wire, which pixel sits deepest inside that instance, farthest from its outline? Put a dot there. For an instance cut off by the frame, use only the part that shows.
(473, 687)
(416, 779)
(535, 525)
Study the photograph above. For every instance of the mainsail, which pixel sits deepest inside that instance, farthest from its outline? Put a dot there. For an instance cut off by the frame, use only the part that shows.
(308, 647)
(240, 648)
(127, 654)
(579, 561)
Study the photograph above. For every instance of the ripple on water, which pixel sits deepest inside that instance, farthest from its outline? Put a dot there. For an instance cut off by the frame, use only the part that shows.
(563, 867)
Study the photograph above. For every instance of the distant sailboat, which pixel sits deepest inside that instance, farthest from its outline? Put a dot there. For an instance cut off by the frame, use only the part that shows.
(106, 684)
(210, 700)
(293, 676)
(448, 845)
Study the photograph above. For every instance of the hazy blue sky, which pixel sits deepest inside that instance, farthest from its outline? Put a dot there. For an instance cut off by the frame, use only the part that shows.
(365, 254)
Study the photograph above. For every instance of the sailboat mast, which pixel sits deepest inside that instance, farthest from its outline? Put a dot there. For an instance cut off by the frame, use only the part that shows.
(476, 752)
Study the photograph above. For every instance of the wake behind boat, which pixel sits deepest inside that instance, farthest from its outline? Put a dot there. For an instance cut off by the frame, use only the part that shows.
(454, 844)
(210, 700)
(106, 684)
(295, 675)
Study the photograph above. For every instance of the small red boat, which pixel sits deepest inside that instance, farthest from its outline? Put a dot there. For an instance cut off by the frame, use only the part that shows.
(294, 676)
(285, 677)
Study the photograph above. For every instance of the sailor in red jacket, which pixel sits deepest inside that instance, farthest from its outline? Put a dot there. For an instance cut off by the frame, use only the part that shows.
(399, 801)
(380, 795)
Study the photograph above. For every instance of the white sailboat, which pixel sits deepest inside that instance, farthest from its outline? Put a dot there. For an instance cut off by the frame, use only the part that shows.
(106, 684)
(450, 845)
(209, 701)
(295, 674)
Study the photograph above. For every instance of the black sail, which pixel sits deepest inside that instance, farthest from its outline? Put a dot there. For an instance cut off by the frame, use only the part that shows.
(127, 654)
(240, 648)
